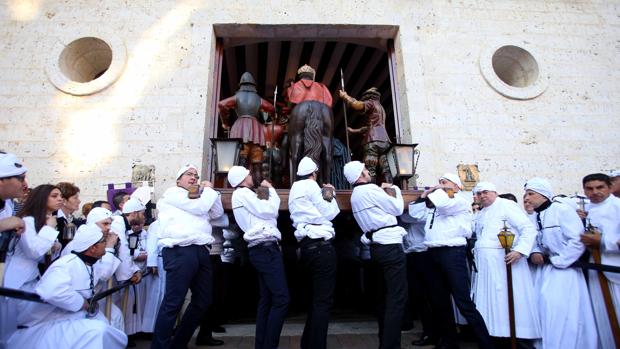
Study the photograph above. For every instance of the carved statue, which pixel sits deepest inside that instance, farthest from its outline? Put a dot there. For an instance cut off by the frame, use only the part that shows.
(311, 123)
(247, 104)
(376, 141)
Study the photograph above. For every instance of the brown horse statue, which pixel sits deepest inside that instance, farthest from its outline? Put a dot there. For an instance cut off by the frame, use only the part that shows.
(310, 132)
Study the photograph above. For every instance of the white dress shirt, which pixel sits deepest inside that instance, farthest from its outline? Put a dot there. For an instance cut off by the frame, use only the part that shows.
(257, 218)
(448, 224)
(374, 209)
(310, 213)
(185, 221)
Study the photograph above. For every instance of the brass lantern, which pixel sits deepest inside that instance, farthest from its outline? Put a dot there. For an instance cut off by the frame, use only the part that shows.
(506, 237)
(401, 161)
(133, 239)
(226, 153)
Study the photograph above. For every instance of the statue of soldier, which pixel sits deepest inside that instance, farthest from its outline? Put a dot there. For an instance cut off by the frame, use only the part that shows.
(306, 89)
(376, 140)
(247, 104)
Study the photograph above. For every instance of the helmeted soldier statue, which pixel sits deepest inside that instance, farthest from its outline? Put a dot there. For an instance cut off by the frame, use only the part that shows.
(247, 104)
(376, 140)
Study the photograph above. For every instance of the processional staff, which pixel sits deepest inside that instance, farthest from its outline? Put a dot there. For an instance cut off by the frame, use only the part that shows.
(344, 109)
(506, 238)
(602, 279)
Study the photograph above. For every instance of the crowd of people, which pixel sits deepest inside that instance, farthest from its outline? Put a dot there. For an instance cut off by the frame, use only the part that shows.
(92, 282)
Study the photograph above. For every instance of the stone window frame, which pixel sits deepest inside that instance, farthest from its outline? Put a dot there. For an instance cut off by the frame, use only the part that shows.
(66, 85)
(520, 93)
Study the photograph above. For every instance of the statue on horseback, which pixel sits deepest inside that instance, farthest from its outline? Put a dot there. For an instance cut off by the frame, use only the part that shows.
(311, 123)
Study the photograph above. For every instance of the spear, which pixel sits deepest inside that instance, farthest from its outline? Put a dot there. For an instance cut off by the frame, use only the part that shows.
(273, 123)
(344, 108)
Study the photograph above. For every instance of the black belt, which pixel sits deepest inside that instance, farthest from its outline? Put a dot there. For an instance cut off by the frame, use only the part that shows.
(310, 244)
(369, 234)
(266, 244)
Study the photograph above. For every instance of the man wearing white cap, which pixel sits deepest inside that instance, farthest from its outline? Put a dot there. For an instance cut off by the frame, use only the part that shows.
(185, 237)
(615, 183)
(603, 212)
(12, 186)
(111, 264)
(375, 212)
(133, 302)
(564, 303)
(258, 220)
(311, 215)
(448, 225)
(490, 285)
(67, 286)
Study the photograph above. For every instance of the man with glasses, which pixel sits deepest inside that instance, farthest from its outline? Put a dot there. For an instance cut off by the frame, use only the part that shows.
(185, 237)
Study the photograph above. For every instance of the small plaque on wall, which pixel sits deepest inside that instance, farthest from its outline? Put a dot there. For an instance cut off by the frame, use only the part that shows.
(469, 176)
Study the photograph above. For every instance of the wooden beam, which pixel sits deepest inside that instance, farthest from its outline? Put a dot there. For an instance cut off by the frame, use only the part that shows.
(363, 79)
(334, 64)
(273, 60)
(343, 197)
(317, 53)
(251, 59)
(293, 60)
(231, 66)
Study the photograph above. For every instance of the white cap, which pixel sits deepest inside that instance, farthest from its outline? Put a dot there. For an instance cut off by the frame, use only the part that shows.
(133, 205)
(236, 175)
(306, 167)
(353, 171)
(452, 178)
(541, 186)
(86, 236)
(184, 169)
(98, 214)
(482, 186)
(615, 173)
(143, 194)
(11, 166)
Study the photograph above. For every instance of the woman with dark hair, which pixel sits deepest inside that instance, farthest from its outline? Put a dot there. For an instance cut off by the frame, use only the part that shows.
(38, 238)
(71, 195)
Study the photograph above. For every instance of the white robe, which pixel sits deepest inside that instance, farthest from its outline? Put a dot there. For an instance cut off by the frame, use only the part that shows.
(155, 284)
(62, 323)
(490, 286)
(564, 302)
(131, 294)
(606, 217)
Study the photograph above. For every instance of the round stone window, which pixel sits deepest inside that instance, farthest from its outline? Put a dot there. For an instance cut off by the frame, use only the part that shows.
(86, 65)
(513, 71)
(85, 59)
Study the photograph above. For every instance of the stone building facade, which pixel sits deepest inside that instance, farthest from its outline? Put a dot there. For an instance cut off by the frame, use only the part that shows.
(520, 88)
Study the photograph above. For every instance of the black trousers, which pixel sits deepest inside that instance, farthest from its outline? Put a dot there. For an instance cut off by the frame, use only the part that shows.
(419, 292)
(215, 313)
(450, 276)
(274, 296)
(186, 268)
(320, 265)
(391, 261)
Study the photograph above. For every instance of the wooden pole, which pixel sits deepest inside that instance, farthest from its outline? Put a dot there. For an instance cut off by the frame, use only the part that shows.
(609, 305)
(511, 306)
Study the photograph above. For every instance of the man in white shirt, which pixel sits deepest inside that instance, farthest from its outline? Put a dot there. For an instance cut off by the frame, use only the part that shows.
(311, 215)
(185, 236)
(615, 183)
(375, 212)
(448, 225)
(12, 186)
(67, 286)
(603, 212)
(490, 287)
(258, 220)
